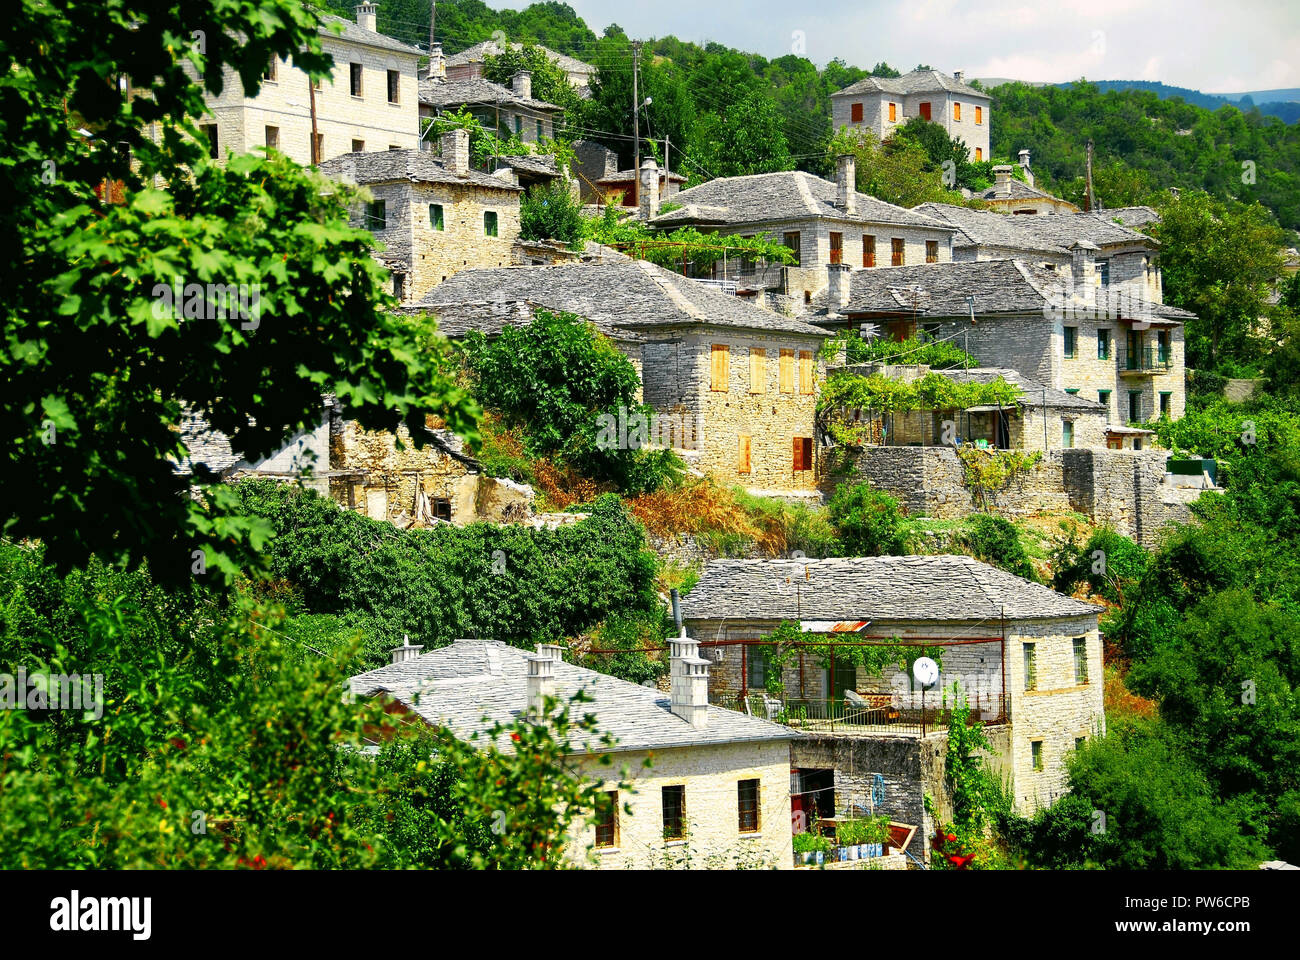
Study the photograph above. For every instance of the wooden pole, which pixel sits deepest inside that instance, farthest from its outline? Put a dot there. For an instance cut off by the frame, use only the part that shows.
(636, 126)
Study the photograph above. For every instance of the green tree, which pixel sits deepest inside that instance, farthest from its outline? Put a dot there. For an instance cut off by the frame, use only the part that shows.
(551, 213)
(744, 138)
(868, 522)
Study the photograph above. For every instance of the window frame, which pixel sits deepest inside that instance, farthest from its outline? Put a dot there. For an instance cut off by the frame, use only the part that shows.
(795, 247)
(932, 251)
(395, 86)
(719, 368)
(837, 246)
(377, 213)
(786, 375)
(1070, 343)
(856, 113)
(868, 250)
(491, 224)
(678, 820)
(438, 224)
(1080, 650)
(897, 251)
(356, 79)
(757, 371)
(1029, 659)
(1104, 351)
(610, 824)
(744, 454)
(807, 373)
(753, 805)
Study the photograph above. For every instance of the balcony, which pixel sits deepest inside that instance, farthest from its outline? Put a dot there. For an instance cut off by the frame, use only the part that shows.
(1144, 362)
(862, 715)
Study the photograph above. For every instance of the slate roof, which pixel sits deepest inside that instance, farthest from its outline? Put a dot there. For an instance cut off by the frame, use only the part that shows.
(791, 195)
(417, 166)
(459, 685)
(1020, 191)
(629, 175)
(918, 81)
(1036, 234)
(440, 92)
(1009, 286)
(480, 52)
(357, 34)
(1132, 217)
(937, 588)
(1036, 394)
(627, 296)
(540, 164)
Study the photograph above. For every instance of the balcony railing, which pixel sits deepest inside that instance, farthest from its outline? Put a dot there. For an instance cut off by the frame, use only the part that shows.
(1146, 360)
(842, 717)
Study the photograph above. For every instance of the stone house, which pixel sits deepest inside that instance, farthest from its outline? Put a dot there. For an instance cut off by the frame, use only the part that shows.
(371, 102)
(716, 791)
(882, 104)
(1027, 660)
(823, 222)
(1009, 195)
(734, 386)
(434, 215)
(600, 181)
(468, 64)
(1081, 338)
(500, 110)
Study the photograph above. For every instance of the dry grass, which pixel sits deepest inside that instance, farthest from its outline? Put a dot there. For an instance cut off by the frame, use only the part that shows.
(562, 486)
(694, 507)
(1120, 702)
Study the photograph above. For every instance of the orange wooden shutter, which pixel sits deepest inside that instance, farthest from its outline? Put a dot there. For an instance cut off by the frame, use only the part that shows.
(893, 111)
(855, 113)
(979, 115)
(798, 454)
(757, 370)
(787, 371)
(805, 371)
(742, 454)
(721, 372)
(956, 111)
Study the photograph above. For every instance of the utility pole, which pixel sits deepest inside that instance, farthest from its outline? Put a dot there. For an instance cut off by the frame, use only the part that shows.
(1090, 201)
(668, 143)
(315, 146)
(433, 17)
(636, 125)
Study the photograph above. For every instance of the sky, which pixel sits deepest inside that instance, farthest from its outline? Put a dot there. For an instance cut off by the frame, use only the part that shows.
(1209, 45)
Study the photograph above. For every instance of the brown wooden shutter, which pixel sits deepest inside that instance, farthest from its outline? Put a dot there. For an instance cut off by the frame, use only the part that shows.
(805, 371)
(798, 454)
(743, 454)
(757, 370)
(868, 250)
(787, 371)
(720, 374)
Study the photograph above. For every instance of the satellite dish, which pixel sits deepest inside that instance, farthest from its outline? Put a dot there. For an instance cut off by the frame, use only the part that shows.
(926, 671)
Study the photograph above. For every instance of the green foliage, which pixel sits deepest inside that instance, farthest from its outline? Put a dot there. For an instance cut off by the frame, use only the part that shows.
(868, 522)
(629, 635)
(683, 249)
(551, 213)
(996, 540)
(987, 472)
(898, 171)
(550, 83)
(939, 354)
(742, 138)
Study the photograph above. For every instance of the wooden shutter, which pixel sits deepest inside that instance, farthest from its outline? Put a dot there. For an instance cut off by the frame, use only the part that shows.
(787, 371)
(956, 111)
(868, 250)
(798, 454)
(893, 112)
(720, 374)
(979, 115)
(805, 371)
(742, 454)
(757, 370)
(855, 113)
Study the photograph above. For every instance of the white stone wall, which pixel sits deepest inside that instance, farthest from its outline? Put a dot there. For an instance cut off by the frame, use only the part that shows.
(875, 115)
(711, 775)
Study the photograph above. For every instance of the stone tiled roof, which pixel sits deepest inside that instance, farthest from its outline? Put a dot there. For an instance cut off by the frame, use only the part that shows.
(357, 34)
(460, 685)
(1020, 191)
(418, 166)
(1034, 234)
(439, 92)
(630, 175)
(625, 295)
(949, 588)
(1132, 217)
(540, 164)
(481, 51)
(940, 290)
(918, 81)
(1036, 394)
(791, 195)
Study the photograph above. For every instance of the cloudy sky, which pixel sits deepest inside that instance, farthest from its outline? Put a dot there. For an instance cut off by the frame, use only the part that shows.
(1209, 45)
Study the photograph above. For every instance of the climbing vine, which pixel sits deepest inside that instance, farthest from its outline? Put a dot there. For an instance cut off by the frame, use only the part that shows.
(788, 641)
(988, 471)
(847, 394)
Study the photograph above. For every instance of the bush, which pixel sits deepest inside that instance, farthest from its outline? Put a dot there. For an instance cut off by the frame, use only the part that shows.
(995, 540)
(1120, 564)
(551, 213)
(868, 522)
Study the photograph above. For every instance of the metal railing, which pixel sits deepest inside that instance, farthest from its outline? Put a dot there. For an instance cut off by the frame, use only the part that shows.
(1146, 360)
(839, 716)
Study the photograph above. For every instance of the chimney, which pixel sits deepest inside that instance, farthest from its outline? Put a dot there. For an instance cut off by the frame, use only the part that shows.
(1084, 267)
(366, 16)
(838, 286)
(522, 84)
(437, 64)
(1002, 180)
(957, 75)
(455, 151)
(1024, 165)
(846, 183)
(540, 683)
(689, 677)
(407, 651)
(649, 189)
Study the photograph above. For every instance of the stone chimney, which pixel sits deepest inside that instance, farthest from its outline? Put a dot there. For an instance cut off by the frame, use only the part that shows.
(437, 63)
(689, 677)
(1002, 180)
(649, 189)
(846, 183)
(366, 15)
(455, 151)
(540, 682)
(522, 84)
(838, 285)
(1084, 266)
(1024, 165)
(957, 75)
(407, 651)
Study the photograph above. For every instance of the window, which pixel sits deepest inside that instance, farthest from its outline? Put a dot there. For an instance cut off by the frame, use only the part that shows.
(755, 666)
(837, 247)
(979, 154)
(930, 331)
(272, 70)
(354, 78)
(376, 215)
(539, 129)
(1071, 342)
(893, 113)
(855, 113)
(442, 508)
(1072, 391)
(720, 368)
(979, 119)
(1135, 406)
(1080, 659)
(787, 371)
(932, 251)
(924, 110)
(607, 825)
(489, 223)
(358, 146)
(394, 85)
(792, 242)
(1031, 667)
(1103, 344)
(214, 147)
(273, 138)
(393, 146)
(805, 371)
(399, 286)
(1103, 271)
(896, 252)
(744, 460)
(1165, 399)
(1067, 434)
(868, 250)
(519, 123)
(747, 802)
(1103, 397)
(1036, 753)
(436, 217)
(956, 112)
(1162, 346)
(757, 370)
(802, 454)
(674, 804)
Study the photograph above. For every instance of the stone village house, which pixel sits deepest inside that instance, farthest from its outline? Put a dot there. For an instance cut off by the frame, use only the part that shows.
(717, 791)
(1026, 659)
(882, 104)
(468, 64)
(500, 110)
(1009, 195)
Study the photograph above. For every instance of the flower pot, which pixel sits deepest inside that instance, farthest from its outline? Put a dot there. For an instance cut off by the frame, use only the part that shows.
(806, 856)
(820, 857)
(842, 854)
(852, 851)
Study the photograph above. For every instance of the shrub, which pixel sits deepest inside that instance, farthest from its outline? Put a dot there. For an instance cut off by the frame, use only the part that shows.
(868, 522)
(996, 540)
(551, 213)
